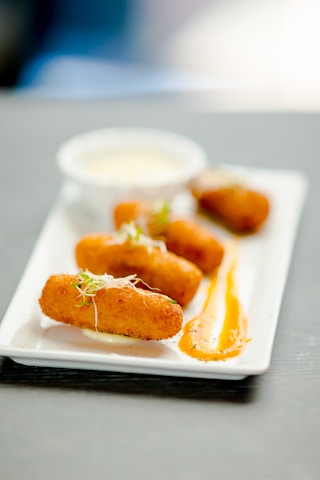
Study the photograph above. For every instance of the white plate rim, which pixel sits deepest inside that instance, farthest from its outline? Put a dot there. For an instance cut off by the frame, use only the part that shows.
(297, 183)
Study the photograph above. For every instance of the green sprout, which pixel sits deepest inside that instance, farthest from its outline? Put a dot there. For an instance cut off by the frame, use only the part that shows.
(162, 210)
(133, 233)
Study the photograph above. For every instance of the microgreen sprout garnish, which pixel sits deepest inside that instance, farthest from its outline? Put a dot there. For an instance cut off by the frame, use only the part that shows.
(133, 233)
(170, 300)
(162, 210)
(88, 284)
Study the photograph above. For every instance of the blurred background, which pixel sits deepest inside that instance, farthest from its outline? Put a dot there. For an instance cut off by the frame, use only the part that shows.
(229, 54)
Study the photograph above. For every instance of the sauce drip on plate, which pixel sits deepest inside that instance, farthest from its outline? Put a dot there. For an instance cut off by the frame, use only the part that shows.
(196, 340)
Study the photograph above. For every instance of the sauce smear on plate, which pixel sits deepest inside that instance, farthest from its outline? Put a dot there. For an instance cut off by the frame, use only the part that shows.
(196, 340)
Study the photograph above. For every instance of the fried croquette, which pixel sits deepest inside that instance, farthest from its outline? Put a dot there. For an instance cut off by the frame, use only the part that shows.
(188, 239)
(159, 269)
(240, 209)
(183, 236)
(124, 310)
(126, 212)
(150, 219)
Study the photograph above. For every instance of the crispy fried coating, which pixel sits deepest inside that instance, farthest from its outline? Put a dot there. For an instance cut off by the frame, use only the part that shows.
(125, 212)
(188, 239)
(170, 274)
(240, 209)
(142, 213)
(123, 311)
(183, 236)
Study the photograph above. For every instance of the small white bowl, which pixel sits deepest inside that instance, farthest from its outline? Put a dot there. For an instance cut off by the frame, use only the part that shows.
(129, 162)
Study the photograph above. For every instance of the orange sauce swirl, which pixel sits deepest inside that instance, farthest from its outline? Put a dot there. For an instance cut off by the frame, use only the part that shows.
(196, 340)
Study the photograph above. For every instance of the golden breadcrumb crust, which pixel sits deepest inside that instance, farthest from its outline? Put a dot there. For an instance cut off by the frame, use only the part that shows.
(183, 236)
(164, 271)
(123, 311)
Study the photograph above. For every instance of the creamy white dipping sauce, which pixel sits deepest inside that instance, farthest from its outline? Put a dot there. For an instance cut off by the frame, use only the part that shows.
(140, 165)
(110, 338)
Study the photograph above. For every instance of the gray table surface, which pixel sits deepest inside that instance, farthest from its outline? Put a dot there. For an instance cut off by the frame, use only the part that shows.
(59, 423)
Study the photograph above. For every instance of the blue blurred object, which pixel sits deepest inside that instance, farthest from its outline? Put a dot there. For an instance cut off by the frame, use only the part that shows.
(35, 31)
(87, 48)
(80, 76)
(91, 28)
(82, 27)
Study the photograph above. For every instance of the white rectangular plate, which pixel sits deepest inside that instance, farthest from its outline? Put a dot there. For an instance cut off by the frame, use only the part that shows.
(29, 338)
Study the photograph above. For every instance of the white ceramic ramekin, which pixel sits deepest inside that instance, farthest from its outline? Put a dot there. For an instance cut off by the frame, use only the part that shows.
(130, 162)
